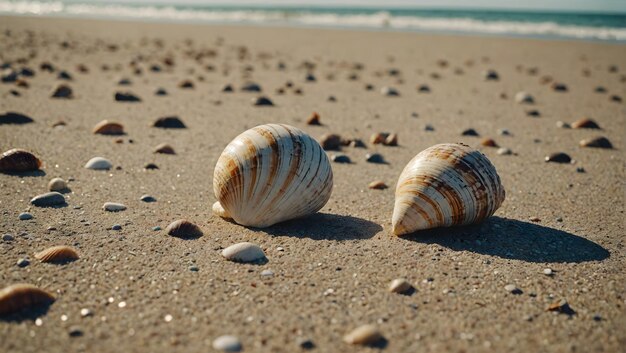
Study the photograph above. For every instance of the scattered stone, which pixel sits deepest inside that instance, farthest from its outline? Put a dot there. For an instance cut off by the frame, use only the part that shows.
(113, 207)
(24, 216)
(314, 119)
(423, 89)
(126, 97)
(469, 132)
(86, 312)
(548, 272)
(534, 219)
(364, 335)
(164, 148)
(160, 92)
(558, 157)
(600, 89)
(400, 286)
(23, 263)
(585, 123)
(563, 125)
(267, 273)
(194, 268)
(488, 142)
(377, 185)
(99, 163)
(262, 102)
(331, 99)
(62, 91)
(156, 228)
(227, 343)
(580, 170)
(616, 99)
(57, 184)
(561, 307)
(331, 142)
(48, 199)
(18, 161)
(429, 127)
(169, 122)
(389, 92)
(250, 87)
(511, 288)
(244, 252)
(374, 158)
(186, 84)
(147, 198)
(524, 98)
(597, 142)
(533, 113)
(106, 127)
(124, 82)
(504, 132)
(310, 78)
(340, 158)
(151, 166)
(75, 331)
(64, 75)
(182, 228)
(7, 237)
(306, 344)
(13, 118)
(116, 227)
(491, 75)
(504, 151)
(228, 89)
(559, 87)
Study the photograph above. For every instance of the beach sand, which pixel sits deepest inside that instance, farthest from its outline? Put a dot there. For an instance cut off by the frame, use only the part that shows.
(331, 270)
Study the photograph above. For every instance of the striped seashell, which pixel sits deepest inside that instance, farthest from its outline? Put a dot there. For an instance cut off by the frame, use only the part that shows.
(445, 185)
(272, 173)
(22, 296)
(106, 127)
(57, 254)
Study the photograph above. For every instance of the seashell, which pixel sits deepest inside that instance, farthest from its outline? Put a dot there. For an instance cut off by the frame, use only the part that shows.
(599, 142)
(585, 123)
(14, 118)
(558, 157)
(148, 198)
(524, 98)
(57, 184)
(48, 199)
(489, 142)
(314, 119)
(363, 335)
(377, 185)
(445, 185)
(18, 297)
(400, 286)
(106, 127)
(57, 254)
(113, 207)
(272, 173)
(169, 122)
(182, 228)
(227, 343)
(17, 161)
(243, 252)
(378, 138)
(98, 163)
(164, 148)
(391, 140)
(219, 211)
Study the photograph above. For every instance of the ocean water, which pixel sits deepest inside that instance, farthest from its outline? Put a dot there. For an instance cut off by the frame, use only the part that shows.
(586, 26)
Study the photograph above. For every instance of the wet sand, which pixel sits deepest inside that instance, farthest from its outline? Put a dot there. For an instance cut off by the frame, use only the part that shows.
(331, 270)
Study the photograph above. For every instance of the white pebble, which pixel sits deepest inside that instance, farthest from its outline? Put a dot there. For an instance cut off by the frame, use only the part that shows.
(243, 252)
(57, 184)
(113, 207)
(227, 343)
(99, 163)
(399, 285)
(365, 335)
(548, 272)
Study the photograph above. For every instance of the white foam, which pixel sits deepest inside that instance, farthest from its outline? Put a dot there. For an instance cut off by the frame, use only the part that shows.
(379, 20)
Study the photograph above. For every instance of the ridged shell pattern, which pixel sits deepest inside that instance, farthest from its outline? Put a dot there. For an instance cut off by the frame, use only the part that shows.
(272, 173)
(445, 185)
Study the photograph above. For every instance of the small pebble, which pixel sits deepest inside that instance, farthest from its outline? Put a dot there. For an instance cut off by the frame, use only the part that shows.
(244, 252)
(48, 199)
(400, 286)
(558, 157)
(23, 262)
(524, 98)
(330, 142)
(57, 184)
(563, 125)
(374, 158)
(469, 132)
(75, 331)
(597, 142)
(85, 312)
(363, 335)
(504, 151)
(98, 163)
(25, 216)
(340, 158)
(389, 92)
(262, 101)
(580, 170)
(227, 343)
(511, 288)
(267, 273)
(377, 185)
(157, 228)
(194, 268)
(306, 343)
(116, 227)
(548, 272)
(147, 198)
(429, 127)
(504, 132)
(113, 207)
(7, 237)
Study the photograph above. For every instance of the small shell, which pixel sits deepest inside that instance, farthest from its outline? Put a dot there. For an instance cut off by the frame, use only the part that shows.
(182, 228)
(243, 252)
(18, 161)
(272, 173)
(57, 254)
(98, 163)
(599, 142)
(524, 98)
(57, 184)
(378, 138)
(585, 123)
(391, 140)
(106, 127)
(400, 285)
(113, 207)
(363, 335)
(164, 148)
(489, 142)
(377, 185)
(227, 343)
(314, 119)
(18, 297)
(446, 185)
(219, 211)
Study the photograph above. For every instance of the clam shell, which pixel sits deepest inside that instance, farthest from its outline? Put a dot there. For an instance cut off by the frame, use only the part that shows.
(164, 148)
(57, 254)
(182, 228)
(243, 252)
(219, 211)
(98, 163)
(21, 296)
(445, 185)
(400, 286)
(18, 161)
(272, 173)
(106, 127)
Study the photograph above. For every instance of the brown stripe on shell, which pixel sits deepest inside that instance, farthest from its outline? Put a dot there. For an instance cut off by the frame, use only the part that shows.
(17, 161)
(57, 254)
(18, 297)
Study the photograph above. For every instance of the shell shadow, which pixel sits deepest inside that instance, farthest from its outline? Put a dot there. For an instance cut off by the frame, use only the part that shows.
(325, 226)
(29, 314)
(513, 239)
(34, 173)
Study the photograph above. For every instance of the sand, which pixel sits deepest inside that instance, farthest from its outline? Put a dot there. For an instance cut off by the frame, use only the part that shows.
(334, 267)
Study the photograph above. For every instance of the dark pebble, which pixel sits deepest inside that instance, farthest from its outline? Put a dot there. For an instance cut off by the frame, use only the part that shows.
(262, 101)
(126, 97)
(374, 158)
(169, 122)
(558, 157)
(48, 199)
(470, 132)
(14, 118)
(23, 262)
(340, 158)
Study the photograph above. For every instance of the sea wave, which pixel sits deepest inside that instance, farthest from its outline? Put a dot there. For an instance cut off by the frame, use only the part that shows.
(376, 20)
